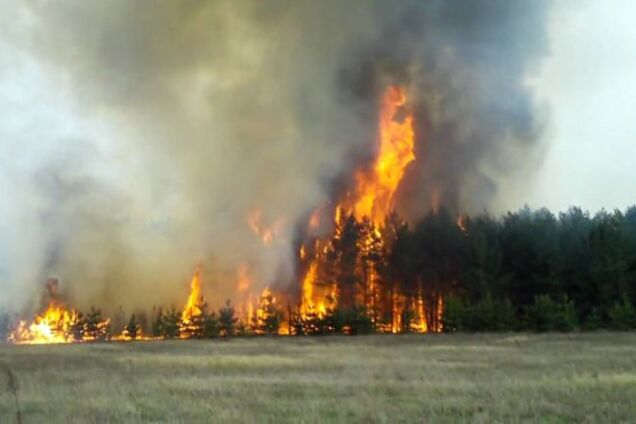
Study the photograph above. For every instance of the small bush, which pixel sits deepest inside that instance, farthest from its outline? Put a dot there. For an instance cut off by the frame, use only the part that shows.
(593, 321)
(132, 328)
(454, 315)
(622, 315)
(487, 315)
(545, 314)
(227, 320)
(210, 326)
(349, 321)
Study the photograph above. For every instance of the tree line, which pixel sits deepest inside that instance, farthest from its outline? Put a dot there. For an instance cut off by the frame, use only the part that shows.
(533, 270)
(526, 270)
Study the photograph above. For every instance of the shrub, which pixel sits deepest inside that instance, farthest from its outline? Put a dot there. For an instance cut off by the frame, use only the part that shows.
(210, 326)
(350, 321)
(132, 328)
(171, 324)
(227, 320)
(454, 314)
(622, 315)
(547, 315)
(593, 321)
(487, 315)
(4, 326)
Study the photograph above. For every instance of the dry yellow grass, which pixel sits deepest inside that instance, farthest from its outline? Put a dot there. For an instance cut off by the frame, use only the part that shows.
(434, 378)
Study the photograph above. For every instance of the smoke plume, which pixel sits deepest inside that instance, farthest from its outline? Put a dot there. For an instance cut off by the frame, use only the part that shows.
(187, 117)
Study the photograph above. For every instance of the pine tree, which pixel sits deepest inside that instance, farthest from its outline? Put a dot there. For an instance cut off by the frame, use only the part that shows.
(96, 327)
(4, 326)
(157, 325)
(132, 328)
(227, 319)
(195, 327)
(622, 315)
(77, 327)
(210, 326)
(171, 324)
(269, 321)
(144, 326)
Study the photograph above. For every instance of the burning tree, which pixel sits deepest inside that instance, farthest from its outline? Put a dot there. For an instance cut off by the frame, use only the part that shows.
(59, 324)
(269, 317)
(132, 329)
(350, 269)
(96, 328)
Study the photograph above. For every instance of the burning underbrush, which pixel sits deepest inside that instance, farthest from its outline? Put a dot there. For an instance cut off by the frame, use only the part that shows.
(348, 278)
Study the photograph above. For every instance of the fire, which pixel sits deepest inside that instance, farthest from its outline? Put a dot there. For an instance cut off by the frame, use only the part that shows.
(363, 233)
(267, 234)
(243, 284)
(59, 324)
(461, 223)
(51, 326)
(370, 202)
(248, 305)
(126, 336)
(308, 289)
(261, 314)
(374, 194)
(314, 220)
(192, 307)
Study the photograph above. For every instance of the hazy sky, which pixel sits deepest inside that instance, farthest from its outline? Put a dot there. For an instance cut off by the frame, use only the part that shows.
(588, 84)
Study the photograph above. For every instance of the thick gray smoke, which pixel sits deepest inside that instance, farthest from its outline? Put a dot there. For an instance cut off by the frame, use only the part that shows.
(185, 117)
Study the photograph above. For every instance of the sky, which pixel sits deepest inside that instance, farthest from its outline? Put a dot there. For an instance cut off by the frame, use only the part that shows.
(588, 86)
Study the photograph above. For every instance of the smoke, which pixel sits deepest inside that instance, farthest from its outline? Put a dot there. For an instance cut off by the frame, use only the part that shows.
(188, 116)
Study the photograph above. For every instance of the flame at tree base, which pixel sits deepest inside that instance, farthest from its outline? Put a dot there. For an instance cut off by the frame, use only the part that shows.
(51, 326)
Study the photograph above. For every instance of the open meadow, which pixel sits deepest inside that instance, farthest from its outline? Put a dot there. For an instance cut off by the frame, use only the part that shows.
(411, 378)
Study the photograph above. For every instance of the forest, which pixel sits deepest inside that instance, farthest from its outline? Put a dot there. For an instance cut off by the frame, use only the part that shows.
(529, 270)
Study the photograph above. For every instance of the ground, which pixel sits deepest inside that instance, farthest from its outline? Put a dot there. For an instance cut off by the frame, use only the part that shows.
(415, 378)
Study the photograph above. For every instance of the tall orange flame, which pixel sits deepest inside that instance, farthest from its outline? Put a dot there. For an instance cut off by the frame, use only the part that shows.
(373, 197)
(308, 289)
(192, 307)
(374, 194)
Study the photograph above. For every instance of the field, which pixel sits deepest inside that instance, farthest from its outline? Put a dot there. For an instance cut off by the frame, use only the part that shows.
(439, 378)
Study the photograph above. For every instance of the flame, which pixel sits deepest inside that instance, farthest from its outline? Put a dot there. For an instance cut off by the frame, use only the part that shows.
(373, 197)
(192, 307)
(124, 336)
(439, 314)
(314, 220)
(267, 234)
(420, 313)
(266, 299)
(396, 312)
(308, 289)
(461, 223)
(51, 326)
(374, 194)
(244, 282)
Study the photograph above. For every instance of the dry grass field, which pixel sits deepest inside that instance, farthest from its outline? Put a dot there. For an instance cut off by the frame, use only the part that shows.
(432, 378)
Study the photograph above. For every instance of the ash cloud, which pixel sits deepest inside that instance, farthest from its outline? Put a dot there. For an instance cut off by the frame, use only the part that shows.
(210, 110)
